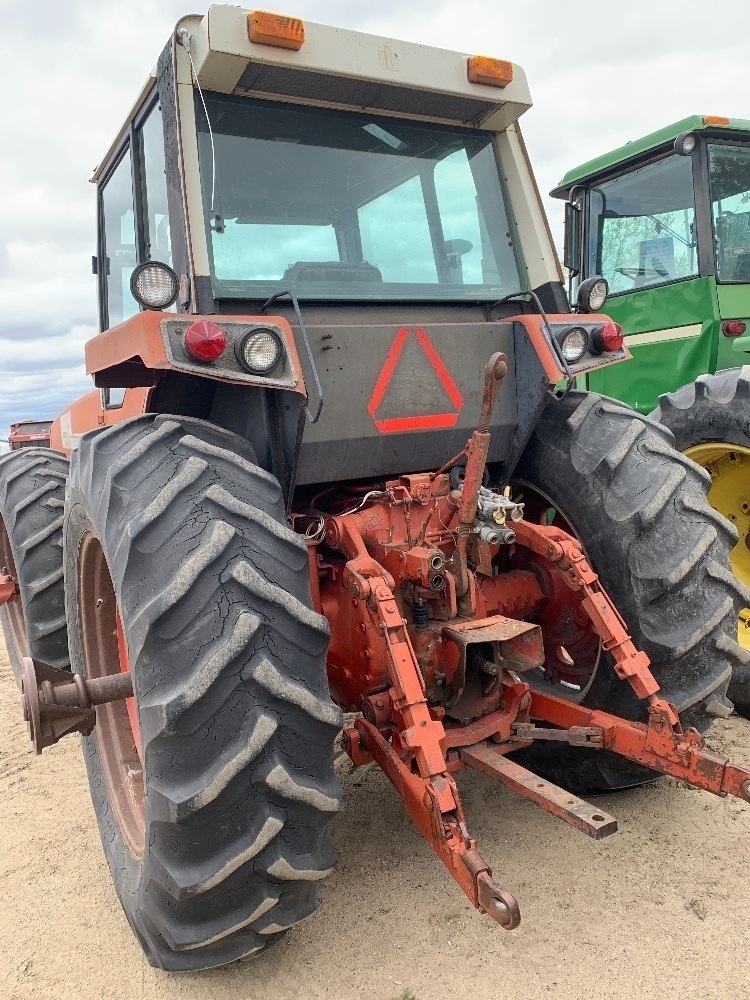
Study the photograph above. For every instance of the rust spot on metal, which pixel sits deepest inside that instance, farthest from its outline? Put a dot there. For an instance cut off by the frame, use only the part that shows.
(8, 589)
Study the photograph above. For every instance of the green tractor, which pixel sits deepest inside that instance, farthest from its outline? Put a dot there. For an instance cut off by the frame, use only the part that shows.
(665, 220)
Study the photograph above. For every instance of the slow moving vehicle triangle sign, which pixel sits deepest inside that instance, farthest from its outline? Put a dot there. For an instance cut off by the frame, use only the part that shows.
(414, 390)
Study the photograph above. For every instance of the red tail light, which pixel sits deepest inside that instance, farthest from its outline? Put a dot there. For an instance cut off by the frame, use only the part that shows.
(610, 337)
(733, 327)
(205, 341)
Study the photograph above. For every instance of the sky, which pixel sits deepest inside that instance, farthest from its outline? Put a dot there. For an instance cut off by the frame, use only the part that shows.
(600, 74)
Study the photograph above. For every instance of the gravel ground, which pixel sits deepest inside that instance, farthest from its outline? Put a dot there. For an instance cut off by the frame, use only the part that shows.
(658, 910)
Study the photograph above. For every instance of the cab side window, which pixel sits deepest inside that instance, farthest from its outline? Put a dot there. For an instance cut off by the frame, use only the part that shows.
(154, 212)
(642, 226)
(112, 399)
(729, 172)
(134, 216)
(118, 234)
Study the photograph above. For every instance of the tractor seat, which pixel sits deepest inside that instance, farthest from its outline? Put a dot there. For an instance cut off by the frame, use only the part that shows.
(741, 270)
(332, 270)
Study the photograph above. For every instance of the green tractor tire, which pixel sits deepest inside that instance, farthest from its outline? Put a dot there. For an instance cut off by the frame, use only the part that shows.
(710, 420)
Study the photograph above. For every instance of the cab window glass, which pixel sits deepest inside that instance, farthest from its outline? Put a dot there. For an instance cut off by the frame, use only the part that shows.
(155, 213)
(459, 212)
(112, 399)
(268, 250)
(396, 236)
(730, 206)
(342, 206)
(119, 242)
(642, 226)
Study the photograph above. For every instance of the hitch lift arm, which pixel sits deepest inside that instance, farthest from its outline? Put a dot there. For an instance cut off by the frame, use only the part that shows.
(419, 756)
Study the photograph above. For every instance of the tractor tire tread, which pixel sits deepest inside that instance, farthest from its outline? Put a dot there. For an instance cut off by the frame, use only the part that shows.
(237, 726)
(32, 493)
(662, 555)
(714, 408)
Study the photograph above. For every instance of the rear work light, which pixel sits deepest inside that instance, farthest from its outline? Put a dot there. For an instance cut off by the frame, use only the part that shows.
(592, 294)
(609, 338)
(686, 143)
(205, 341)
(733, 327)
(574, 344)
(154, 285)
(260, 351)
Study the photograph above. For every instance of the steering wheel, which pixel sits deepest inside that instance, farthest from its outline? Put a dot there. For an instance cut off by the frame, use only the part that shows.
(638, 272)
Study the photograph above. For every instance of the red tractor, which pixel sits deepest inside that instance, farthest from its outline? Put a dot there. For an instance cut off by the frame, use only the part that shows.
(29, 434)
(338, 464)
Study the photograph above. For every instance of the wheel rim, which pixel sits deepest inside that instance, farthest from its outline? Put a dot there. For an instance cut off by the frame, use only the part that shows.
(729, 468)
(585, 652)
(13, 609)
(104, 649)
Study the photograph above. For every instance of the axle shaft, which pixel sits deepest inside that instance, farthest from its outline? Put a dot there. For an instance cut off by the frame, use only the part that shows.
(56, 703)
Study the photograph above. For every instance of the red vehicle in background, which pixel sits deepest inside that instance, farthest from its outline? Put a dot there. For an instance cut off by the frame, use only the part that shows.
(29, 434)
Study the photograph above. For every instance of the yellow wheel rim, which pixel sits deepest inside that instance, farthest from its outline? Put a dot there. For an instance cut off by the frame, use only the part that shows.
(729, 468)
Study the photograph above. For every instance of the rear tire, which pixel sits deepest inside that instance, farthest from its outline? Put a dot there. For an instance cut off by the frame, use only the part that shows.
(639, 509)
(235, 720)
(32, 498)
(715, 410)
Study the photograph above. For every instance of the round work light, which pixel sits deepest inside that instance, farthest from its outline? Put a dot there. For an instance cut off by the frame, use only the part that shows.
(259, 351)
(574, 344)
(685, 143)
(592, 294)
(154, 285)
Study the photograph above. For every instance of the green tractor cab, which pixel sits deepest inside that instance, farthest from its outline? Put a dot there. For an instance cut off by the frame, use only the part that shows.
(666, 221)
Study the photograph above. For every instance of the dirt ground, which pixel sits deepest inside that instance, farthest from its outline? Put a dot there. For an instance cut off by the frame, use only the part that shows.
(661, 909)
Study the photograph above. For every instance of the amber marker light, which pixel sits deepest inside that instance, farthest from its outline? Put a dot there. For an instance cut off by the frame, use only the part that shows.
(492, 72)
(264, 28)
(715, 120)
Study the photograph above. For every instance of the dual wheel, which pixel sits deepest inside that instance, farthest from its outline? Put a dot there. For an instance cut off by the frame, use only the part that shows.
(214, 786)
(710, 420)
(32, 500)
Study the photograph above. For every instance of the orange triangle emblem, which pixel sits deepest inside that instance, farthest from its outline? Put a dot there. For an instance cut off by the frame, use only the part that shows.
(417, 422)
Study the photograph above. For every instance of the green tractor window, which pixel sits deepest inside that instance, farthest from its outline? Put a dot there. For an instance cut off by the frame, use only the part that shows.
(730, 207)
(641, 226)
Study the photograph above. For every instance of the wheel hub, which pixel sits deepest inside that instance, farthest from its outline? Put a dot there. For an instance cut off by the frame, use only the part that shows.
(729, 468)
(105, 656)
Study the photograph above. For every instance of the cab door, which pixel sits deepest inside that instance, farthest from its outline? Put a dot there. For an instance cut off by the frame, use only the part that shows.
(134, 223)
(642, 236)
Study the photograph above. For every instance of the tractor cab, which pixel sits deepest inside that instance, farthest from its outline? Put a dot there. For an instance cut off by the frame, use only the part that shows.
(354, 224)
(666, 220)
(264, 157)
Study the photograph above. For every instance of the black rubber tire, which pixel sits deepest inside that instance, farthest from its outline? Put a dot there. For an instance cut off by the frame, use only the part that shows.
(228, 659)
(714, 408)
(32, 498)
(639, 508)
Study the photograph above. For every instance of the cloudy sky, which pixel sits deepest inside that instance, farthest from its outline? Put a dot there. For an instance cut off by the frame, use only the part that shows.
(600, 74)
